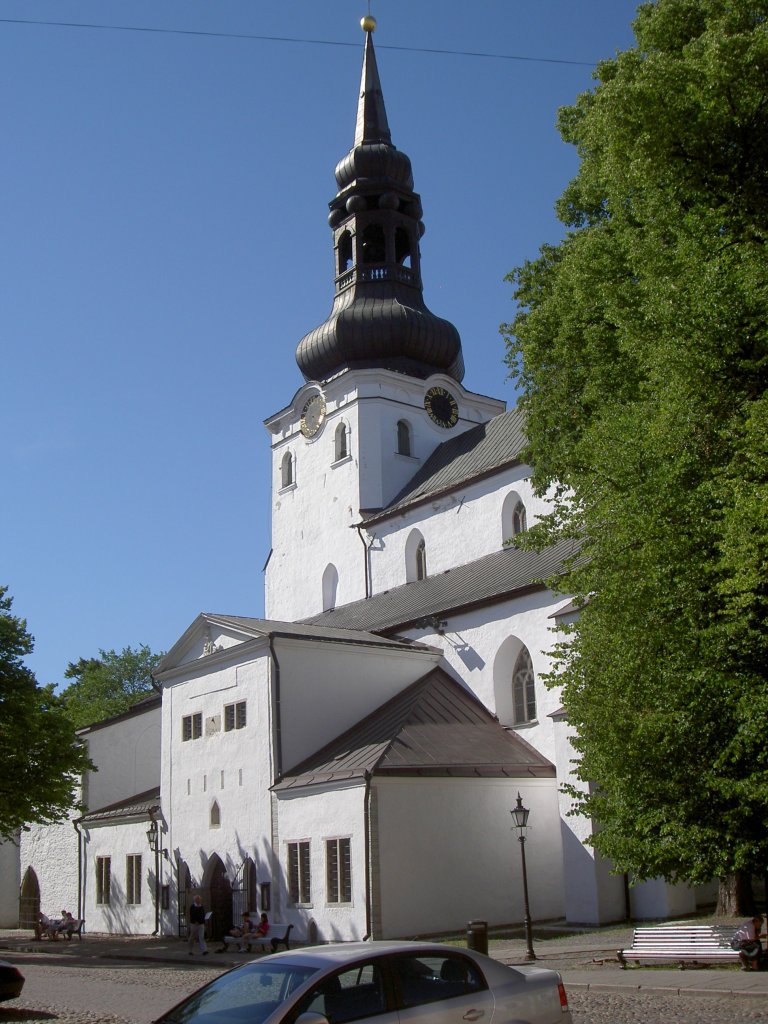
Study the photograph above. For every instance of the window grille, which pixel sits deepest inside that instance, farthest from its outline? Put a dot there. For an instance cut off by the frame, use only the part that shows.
(103, 880)
(133, 878)
(234, 716)
(338, 870)
(299, 888)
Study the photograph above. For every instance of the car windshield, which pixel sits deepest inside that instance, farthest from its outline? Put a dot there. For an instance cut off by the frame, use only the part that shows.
(250, 994)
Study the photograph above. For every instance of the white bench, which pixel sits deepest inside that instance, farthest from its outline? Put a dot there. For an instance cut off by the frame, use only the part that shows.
(684, 943)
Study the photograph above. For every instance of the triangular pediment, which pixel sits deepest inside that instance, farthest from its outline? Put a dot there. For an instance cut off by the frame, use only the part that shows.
(211, 636)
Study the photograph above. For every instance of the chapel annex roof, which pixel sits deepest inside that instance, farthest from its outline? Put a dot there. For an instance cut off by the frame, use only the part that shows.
(486, 580)
(137, 806)
(477, 452)
(433, 728)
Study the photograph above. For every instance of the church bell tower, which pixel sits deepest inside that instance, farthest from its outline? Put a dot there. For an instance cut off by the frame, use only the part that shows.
(383, 379)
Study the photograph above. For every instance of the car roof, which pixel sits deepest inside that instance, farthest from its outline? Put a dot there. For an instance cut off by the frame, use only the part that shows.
(342, 952)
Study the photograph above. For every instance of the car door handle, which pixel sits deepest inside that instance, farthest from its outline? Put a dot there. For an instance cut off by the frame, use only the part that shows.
(473, 1015)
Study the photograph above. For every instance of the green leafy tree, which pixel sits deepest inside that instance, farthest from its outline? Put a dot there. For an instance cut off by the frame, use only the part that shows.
(42, 758)
(641, 349)
(108, 685)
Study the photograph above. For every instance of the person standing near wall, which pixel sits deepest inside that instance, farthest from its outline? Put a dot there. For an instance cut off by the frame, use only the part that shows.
(197, 926)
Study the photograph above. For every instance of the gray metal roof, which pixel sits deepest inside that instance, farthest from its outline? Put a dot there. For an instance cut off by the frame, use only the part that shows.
(433, 728)
(311, 631)
(476, 453)
(484, 581)
(131, 807)
(154, 700)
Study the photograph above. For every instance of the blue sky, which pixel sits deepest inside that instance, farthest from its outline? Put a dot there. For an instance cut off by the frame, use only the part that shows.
(164, 247)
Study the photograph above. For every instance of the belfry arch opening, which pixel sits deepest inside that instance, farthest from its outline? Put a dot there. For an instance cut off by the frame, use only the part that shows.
(345, 251)
(374, 244)
(402, 247)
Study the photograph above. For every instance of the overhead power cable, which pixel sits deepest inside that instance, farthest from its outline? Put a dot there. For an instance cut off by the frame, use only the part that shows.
(291, 39)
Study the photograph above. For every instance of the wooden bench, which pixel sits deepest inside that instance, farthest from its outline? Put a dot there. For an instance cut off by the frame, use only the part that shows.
(687, 944)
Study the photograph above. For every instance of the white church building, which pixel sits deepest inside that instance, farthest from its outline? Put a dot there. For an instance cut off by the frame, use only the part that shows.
(349, 763)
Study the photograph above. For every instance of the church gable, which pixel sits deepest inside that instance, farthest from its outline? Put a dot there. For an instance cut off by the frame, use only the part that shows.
(209, 635)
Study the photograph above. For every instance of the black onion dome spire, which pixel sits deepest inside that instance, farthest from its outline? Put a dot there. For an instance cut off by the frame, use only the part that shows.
(378, 318)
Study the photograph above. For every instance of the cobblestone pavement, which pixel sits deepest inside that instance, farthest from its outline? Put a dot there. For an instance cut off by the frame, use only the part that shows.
(587, 1006)
(656, 1008)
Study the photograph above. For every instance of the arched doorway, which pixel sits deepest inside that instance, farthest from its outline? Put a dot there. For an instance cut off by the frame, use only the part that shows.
(221, 898)
(29, 900)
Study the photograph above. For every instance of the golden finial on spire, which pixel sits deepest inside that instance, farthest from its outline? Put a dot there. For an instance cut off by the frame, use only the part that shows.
(368, 23)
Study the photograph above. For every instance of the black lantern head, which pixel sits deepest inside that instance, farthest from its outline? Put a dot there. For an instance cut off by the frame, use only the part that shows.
(520, 814)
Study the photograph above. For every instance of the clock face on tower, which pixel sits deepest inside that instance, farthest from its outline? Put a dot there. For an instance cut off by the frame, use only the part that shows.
(312, 416)
(442, 408)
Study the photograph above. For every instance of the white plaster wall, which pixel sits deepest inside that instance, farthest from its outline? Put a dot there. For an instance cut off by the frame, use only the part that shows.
(117, 842)
(232, 768)
(9, 891)
(127, 753)
(655, 899)
(326, 688)
(481, 647)
(51, 852)
(448, 854)
(594, 895)
(457, 528)
(313, 520)
(328, 813)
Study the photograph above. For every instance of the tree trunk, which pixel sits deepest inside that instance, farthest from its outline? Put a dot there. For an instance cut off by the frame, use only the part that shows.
(735, 897)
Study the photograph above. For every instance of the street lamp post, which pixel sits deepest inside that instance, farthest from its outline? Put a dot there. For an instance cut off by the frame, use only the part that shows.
(520, 817)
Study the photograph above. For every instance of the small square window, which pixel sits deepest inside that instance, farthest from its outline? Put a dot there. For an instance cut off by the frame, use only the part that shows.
(192, 727)
(234, 716)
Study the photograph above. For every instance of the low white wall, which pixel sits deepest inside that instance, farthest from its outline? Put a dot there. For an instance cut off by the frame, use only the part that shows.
(332, 813)
(51, 852)
(448, 854)
(118, 917)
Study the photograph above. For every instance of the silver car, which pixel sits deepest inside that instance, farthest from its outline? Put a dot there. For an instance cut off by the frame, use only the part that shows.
(386, 982)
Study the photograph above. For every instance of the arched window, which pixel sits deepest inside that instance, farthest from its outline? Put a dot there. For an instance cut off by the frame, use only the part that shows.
(519, 523)
(330, 586)
(415, 557)
(345, 251)
(374, 246)
(514, 520)
(215, 814)
(341, 443)
(403, 438)
(286, 470)
(524, 689)
(421, 561)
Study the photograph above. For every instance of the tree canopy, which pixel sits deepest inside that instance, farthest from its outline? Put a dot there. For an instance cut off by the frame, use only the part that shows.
(42, 758)
(108, 685)
(641, 349)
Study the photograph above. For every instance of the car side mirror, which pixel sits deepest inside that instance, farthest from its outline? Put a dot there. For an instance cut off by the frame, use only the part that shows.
(311, 1017)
